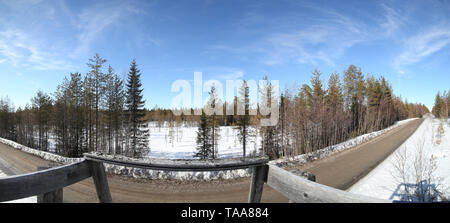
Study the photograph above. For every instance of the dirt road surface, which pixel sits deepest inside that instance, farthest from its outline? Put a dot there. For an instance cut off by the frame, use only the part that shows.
(344, 169)
(340, 171)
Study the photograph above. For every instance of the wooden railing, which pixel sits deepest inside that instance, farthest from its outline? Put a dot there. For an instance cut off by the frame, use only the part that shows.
(292, 185)
(300, 190)
(45, 181)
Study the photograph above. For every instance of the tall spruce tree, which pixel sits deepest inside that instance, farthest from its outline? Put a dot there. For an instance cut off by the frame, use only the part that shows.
(204, 140)
(114, 100)
(42, 107)
(97, 81)
(243, 120)
(269, 144)
(138, 133)
(214, 103)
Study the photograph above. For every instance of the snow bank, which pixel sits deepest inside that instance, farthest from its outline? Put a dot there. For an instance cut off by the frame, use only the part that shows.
(328, 151)
(169, 175)
(382, 182)
(42, 154)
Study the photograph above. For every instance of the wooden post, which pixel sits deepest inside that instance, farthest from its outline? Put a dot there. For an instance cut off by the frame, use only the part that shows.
(55, 196)
(259, 176)
(100, 181)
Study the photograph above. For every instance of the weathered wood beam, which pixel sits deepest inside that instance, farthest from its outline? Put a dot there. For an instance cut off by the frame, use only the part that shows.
(55, 196)
(180, 165)
(26, 185)
(304, 174)
(100, 181)
(300, 190)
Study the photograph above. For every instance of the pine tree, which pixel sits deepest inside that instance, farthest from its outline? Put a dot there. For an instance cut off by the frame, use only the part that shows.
(204, 140)
(42, 107)
(114, 100)
(69, 117)
(269, 145)
(317, 110)
(437, 105)
(137, 134)
(243, 120)
(354, 88)
(444, 106)
(214, 104)
(97, 83)
(334, 100)
(29, 126)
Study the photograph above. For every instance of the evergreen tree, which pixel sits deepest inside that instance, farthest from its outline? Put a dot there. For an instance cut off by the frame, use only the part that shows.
(42, 106)
(214, 104)
(334, 101)
(204, 140)
(114, 100)
(444, 106)
(97, 85)
(354, 88)
(138, 133)
(69, 117)
(438, 102)
(243, 120)
(269, 144)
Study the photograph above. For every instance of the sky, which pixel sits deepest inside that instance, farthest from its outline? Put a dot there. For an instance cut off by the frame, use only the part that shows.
(408, 42)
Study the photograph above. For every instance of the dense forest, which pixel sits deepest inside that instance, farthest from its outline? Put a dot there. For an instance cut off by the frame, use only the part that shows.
(441, 104)
(101, 112)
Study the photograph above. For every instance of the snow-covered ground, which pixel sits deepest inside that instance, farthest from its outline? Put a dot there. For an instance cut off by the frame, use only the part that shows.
(384, 182)
(24, 200)
(179, 142)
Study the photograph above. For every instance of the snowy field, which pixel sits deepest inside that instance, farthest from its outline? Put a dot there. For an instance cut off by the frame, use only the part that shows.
(179, 142)
(385, 180)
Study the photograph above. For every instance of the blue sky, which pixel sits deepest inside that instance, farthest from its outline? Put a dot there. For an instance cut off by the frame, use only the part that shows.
(408, 42)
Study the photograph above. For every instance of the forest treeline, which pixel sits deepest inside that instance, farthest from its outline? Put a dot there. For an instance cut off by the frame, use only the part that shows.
(98, 111)
(314, 116)
(441, 105)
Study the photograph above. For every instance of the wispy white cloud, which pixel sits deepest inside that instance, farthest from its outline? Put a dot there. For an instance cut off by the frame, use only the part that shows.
(331, 32)
(393, 20)
(322, 38)
(93, 21)
(32, 47)
(323, 42)
(19, 49)
(422, 45)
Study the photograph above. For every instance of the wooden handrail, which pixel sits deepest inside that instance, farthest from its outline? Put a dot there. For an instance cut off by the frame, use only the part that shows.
(40, 182)
(179, 164)
(44, 181)
(300, 190)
